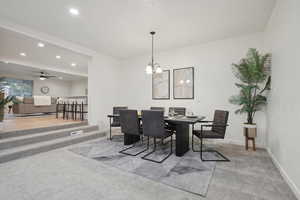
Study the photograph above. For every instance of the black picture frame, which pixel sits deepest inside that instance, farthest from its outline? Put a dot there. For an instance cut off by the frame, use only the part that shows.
(192, 81)
(169, 90)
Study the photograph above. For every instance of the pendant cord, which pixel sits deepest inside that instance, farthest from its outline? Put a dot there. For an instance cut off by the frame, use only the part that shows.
(152, 63)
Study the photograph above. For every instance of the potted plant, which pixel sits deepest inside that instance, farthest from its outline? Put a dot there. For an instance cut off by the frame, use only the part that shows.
(253, 72)
(3, 102)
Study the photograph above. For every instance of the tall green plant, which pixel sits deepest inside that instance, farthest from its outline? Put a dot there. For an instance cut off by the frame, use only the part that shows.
(252, 72)
(4, 101)
(7, 100)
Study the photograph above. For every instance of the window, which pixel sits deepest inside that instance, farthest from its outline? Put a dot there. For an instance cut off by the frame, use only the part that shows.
(17, 87)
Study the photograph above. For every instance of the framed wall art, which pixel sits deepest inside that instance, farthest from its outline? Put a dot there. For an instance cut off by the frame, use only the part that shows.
(161, 85)
(183, 83)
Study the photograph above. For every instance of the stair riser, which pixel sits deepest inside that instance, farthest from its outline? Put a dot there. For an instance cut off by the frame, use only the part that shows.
(46, 148)
(39, 130)
(42, 138)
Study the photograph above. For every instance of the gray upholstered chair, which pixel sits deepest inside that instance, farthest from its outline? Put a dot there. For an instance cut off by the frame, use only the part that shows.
(158, 108)
(161, 109)
(154, 126)
(217, 130)
(116, 120)
(177, 110)
(130, 125)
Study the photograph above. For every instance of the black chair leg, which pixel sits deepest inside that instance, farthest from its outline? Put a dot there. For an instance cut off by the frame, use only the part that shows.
(110, 129)
(64, 111)
(225, 159)
(128, 154)
(75, 111)
(67, 111)
(154, 149)
(57, 106)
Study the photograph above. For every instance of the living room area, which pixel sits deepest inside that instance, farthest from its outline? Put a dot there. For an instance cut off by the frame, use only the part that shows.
(43, 85)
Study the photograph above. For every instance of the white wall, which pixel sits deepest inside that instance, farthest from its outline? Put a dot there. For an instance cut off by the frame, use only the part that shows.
(214, 81)
(102, 86)
(78, 87)
(57, 87)
(283, 40)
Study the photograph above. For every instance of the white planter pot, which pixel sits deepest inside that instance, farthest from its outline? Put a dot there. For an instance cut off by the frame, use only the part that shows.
(250, 126)
(250, 130)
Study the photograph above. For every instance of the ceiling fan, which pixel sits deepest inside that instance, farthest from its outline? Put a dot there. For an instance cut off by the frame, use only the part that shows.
(44, 76)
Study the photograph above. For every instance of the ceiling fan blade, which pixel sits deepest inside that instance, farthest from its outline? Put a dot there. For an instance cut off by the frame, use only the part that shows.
(38, 72)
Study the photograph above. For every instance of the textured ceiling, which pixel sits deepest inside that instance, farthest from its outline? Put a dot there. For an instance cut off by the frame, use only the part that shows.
(12, 44)
(120, 27)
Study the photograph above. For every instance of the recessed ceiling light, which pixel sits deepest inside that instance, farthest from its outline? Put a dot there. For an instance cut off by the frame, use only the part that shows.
(73, 64)
(60, 78)
(74, 11)
(58, 57)
(23, 54)
(41, 44)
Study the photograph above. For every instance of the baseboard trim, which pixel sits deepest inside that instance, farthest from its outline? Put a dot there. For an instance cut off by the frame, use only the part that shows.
(241, 143)
(285, 176)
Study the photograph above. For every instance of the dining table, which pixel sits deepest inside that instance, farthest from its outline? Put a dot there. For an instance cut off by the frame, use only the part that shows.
(182, 125)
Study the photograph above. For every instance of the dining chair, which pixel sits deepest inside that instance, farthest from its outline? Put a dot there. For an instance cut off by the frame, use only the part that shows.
(79, 111)
(116, 120)
(158, 108)
(130, 125)
(68, 110)
(177, 110)
(161, 109)
(59, 109)
(64, 110)
(83, 111)
(217, 130)
(154, 126)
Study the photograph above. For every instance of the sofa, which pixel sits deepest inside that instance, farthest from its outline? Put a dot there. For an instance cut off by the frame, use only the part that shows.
(26, 106)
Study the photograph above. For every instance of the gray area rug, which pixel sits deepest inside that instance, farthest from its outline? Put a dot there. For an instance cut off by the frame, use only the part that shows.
(186, 173)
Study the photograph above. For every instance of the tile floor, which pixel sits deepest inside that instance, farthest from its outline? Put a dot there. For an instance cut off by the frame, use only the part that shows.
(61, 174)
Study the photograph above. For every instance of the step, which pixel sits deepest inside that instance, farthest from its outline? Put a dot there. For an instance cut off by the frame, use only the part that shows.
(32, 149)
(13, 142)
(17, 133)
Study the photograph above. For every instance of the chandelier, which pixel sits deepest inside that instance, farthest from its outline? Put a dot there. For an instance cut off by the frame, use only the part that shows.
(153, 67)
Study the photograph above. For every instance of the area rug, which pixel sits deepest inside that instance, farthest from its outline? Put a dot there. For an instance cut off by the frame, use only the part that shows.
(187, 173)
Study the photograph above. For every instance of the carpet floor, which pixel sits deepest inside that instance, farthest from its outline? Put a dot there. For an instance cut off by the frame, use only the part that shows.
(186, 173)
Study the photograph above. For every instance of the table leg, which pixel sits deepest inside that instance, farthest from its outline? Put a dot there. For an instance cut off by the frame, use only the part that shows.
(182, 139)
